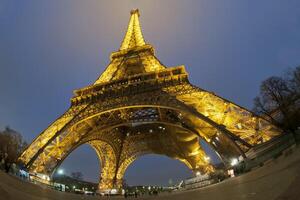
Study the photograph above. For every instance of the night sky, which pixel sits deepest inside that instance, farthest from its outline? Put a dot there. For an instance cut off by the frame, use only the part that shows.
(49, 48)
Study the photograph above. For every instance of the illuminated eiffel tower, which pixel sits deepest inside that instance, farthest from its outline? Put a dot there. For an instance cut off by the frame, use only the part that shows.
(139, 106)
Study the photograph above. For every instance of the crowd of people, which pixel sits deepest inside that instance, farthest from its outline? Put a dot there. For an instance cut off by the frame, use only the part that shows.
(136, 194)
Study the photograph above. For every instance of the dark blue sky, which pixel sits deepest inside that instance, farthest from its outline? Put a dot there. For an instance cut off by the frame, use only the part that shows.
(49, 48)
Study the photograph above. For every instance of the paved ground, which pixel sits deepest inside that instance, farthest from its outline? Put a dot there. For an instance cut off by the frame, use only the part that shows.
(278, 180)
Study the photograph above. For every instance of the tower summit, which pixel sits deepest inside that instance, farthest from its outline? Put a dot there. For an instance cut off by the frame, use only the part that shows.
(134, 56)
(134, 36)
(139, 106)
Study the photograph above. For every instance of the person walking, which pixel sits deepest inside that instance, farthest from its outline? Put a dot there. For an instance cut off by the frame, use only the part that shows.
(6, 163)
(1, 161)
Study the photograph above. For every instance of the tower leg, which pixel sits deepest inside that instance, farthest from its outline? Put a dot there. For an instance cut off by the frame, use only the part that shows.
(108, 160)
(107, 183)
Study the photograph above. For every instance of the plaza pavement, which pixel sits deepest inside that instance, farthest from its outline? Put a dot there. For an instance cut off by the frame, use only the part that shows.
(277, 180)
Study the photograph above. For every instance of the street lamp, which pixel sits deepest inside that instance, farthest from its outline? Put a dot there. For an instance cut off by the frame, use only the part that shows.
(234, 162)
(60, 171)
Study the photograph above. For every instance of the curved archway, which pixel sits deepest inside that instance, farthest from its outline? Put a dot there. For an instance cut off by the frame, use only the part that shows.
(178, 131)
(88, 164)
(154, 95)
(104, 152)
(154, 169)
(108, 160)
(193, 121)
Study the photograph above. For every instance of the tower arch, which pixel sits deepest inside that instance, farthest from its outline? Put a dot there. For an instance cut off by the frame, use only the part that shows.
(137, 106)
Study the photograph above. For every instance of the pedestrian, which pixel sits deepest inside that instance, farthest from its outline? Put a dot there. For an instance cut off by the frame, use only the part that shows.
(1, 161)
(14, 168)
(6, 163)
(7, 167)
(2, 164)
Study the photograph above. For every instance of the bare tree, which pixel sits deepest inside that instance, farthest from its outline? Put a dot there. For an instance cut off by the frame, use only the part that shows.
(293, 78)
(11, 143)
(279, 100)
(77, 175)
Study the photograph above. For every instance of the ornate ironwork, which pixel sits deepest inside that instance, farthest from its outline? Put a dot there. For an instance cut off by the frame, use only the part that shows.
(139, 106)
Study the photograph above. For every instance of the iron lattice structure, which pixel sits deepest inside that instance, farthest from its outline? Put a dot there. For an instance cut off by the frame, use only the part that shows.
(139, 106)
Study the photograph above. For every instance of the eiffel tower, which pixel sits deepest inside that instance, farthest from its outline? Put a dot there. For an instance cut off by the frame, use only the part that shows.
(139, 106)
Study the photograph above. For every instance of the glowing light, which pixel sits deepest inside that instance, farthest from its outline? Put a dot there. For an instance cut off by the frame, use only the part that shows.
(60, 171)
(114, 191)
(43, 152)
(206, 158)
(234, 162)
(198, 173)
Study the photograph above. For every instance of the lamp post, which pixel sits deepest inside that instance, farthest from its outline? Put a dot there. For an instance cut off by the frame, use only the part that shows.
(60, 171)
(234, 162)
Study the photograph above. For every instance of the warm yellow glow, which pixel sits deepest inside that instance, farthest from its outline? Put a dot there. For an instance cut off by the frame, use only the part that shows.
(138, 106)
(134, 36)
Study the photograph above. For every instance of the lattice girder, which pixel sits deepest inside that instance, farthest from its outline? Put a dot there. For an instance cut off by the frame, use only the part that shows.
(156, 139)
(168, 99)
(108, 160)
(164, 140)
(239, 121)
(174, 148)
(136, 91)
(117, 117)
(31, 151)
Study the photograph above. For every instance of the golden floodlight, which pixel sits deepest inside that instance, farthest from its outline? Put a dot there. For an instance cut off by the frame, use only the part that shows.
(139, 106)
